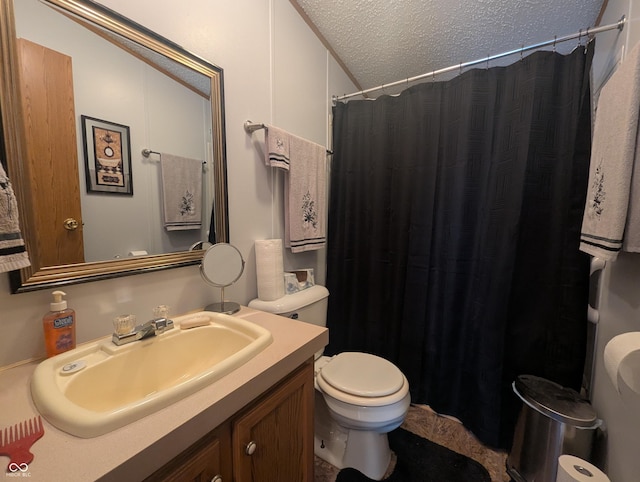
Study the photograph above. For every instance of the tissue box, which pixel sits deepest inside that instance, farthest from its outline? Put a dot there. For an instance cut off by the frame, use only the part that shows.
(298, 280)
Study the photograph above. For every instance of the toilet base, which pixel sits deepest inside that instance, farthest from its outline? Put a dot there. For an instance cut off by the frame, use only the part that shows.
(367, 452)
(364, 450)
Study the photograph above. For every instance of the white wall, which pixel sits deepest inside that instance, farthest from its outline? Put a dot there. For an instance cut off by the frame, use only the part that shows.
(275, 71)
(619, 298)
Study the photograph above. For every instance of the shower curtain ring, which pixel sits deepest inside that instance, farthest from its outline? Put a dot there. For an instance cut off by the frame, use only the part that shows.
(580, 38)
(586, 44)
(555, 38)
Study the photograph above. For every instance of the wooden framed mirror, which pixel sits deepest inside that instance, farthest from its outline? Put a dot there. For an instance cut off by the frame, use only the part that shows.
(159, 57)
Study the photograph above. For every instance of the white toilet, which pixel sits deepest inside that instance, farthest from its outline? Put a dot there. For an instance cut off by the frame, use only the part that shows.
(359, 397)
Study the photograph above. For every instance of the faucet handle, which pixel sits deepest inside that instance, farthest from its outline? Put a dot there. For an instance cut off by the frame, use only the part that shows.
(161, 311)
(124, 324)
(161, 321)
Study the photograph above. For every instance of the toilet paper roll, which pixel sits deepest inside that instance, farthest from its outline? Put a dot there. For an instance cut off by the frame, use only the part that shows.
(619, 348)
(269, 269)
(574, 469)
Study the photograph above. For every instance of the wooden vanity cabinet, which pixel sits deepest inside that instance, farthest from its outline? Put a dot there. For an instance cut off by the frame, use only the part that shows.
(269, 440)
(208, 460)
(273, 439)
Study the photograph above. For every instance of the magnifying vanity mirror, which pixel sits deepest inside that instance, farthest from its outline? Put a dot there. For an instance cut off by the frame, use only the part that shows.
(110, 75)
(222, 265)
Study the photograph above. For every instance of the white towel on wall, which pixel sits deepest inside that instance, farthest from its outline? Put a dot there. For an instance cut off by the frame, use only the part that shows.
(181, 192)
(13, 254)
(609, 223)
(305, 186)
(631, 240)
(277, 143)
(305, 196)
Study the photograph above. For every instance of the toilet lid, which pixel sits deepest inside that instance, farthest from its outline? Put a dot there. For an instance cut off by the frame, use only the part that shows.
(363, 375)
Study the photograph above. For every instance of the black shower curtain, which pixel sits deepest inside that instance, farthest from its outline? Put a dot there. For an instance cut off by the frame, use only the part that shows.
(453, 234)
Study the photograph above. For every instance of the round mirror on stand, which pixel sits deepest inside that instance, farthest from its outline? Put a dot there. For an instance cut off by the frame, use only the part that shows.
(200, 245)
(222, 265)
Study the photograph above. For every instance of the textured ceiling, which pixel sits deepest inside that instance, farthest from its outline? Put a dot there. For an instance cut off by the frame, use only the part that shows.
(382, 41)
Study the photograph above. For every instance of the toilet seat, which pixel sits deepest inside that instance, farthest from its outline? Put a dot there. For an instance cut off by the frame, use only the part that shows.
(362, 379)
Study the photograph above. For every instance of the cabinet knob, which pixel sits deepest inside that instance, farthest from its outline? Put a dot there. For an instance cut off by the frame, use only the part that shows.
(250, 448)
(70, 224)
(217, 478)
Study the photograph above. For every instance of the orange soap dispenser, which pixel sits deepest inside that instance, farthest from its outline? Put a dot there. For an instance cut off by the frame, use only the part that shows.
(59, 326)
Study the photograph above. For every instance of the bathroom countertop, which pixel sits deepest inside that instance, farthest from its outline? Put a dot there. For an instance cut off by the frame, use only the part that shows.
(136, 450)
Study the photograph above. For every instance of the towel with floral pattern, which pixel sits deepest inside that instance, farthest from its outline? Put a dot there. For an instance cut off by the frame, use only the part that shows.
(13, 254)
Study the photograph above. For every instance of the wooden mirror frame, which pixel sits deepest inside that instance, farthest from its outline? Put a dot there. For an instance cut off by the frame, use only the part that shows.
(38, 277)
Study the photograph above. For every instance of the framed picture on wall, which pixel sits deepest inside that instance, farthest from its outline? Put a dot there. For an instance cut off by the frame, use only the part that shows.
(107, 156)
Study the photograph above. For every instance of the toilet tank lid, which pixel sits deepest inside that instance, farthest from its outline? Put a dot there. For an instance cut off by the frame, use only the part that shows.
(291, 302)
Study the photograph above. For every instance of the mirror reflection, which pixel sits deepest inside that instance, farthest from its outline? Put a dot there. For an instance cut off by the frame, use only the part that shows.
(112, 84)
(126, 160)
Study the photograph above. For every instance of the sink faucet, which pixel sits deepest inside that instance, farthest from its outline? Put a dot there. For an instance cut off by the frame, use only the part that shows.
(145, 330)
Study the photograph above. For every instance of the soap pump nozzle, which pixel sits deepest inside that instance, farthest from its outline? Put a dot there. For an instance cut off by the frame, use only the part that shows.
(58, 303)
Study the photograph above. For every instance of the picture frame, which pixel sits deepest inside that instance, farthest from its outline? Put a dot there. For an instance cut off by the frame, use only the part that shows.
(107, 156)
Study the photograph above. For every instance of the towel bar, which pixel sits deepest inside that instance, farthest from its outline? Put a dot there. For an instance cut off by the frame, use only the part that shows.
(251, 127)
(147, 152)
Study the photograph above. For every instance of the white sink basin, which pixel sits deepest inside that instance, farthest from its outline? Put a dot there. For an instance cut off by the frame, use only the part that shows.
(99, 387)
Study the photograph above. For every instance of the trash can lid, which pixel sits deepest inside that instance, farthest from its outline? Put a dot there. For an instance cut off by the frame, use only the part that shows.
(560, 403)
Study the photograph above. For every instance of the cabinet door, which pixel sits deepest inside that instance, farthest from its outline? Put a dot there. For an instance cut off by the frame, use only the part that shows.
(208, 460)
(273, 440)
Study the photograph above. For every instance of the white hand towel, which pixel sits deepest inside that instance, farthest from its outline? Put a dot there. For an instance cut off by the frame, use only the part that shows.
(277, 147)
(13, 254)
(631, 241)
(615, 147)
(181, 192)
(305, 196)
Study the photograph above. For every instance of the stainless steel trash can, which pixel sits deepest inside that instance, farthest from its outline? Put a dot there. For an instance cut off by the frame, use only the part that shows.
(553, 421)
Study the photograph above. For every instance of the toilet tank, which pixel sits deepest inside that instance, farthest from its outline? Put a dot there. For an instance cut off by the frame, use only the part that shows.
(309, 305)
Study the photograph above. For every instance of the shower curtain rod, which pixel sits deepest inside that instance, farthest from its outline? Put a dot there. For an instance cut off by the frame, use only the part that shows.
(582, 33)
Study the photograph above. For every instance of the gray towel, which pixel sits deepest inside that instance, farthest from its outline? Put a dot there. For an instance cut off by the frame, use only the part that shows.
(615, 147)
(305, 196)
(631, 240)
(305, 185)
(181, 192)
(13, 254)
(277, 147)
